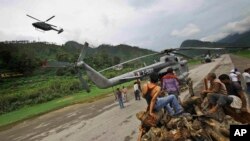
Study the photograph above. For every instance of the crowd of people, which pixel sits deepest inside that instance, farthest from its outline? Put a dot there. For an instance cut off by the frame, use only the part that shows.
(241, 79)
(225, 91)
(163, 92)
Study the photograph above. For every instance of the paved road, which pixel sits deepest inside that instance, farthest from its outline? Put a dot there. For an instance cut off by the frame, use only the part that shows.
(101, 120)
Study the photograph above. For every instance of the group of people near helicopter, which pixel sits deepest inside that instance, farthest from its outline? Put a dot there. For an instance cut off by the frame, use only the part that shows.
(224, 90)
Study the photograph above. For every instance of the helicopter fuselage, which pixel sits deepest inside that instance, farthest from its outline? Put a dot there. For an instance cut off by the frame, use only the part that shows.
(42, 25)
(180, 68)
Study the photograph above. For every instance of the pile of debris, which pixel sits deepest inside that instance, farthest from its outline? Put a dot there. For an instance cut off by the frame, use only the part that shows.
(192, 125)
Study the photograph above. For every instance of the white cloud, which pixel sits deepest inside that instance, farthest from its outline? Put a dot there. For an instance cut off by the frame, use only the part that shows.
(230, 28)
(82, 19)
(187, 31)
(214, 37)
(237, 26)
(144, 23)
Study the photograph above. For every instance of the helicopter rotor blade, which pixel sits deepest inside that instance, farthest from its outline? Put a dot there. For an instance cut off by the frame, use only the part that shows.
(200, 48)
(49, 18)
(169, 50)
(33, 18)
(56, 64)
(83, 53)
(84, 84)
(130, 61)
(183, 55)
(189, 48)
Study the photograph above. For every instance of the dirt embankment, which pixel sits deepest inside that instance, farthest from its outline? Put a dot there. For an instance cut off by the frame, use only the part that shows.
(240, 62)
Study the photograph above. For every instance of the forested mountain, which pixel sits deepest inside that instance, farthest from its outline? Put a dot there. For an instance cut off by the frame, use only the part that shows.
(242, 39)
(124, 52)
(198, 43)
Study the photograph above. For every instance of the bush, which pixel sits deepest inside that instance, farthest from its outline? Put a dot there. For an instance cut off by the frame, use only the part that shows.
(52, 91)
(60, 72)
(75, 86)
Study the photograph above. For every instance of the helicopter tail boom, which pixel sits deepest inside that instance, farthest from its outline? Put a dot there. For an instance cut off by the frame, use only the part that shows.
(60, 31)
(94, 76)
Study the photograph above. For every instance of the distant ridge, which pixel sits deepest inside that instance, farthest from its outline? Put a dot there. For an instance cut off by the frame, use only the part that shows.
(123, 51)
(234, 40)
(243, 39)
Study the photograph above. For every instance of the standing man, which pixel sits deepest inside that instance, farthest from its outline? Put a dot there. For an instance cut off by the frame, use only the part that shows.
(235, 76)
(139, 84)
(246, 76)
(137, 91)
(119, 97)
(170, 83)
(124, 92)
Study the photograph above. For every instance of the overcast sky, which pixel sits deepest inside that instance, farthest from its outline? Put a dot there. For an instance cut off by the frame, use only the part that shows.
(152, 24)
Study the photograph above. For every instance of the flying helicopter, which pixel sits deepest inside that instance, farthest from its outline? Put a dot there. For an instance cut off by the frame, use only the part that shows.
(167, 60)
(43, 25)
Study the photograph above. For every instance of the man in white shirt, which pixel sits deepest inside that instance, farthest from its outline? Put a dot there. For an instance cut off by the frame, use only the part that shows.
(137, 91)
(246, 76)
(235, 76)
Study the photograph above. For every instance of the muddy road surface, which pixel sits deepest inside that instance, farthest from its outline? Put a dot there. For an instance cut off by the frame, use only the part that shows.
(101, 120)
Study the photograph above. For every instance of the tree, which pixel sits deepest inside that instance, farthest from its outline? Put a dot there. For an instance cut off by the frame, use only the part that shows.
(63, 57)
(116, 60)
(5, 57)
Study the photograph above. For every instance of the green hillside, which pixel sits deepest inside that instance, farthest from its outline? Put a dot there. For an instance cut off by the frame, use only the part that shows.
(24, 57)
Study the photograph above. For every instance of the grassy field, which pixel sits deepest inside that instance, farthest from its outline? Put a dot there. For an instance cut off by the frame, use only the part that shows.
(245, 53)
(25, 86)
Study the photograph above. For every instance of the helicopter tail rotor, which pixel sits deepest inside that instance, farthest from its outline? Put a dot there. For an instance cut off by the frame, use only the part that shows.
(84, 84)
(76, 66)
(79, 63)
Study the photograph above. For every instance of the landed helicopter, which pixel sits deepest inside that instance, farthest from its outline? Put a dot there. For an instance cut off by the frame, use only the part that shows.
(45, 26)
(166, 61)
